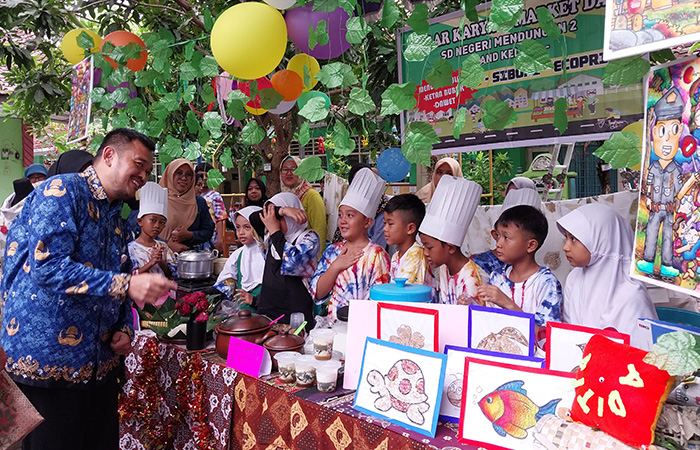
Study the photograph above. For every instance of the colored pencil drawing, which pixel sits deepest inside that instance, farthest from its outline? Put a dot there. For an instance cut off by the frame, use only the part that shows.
(402, 388)
(505, 341)
(405, 336)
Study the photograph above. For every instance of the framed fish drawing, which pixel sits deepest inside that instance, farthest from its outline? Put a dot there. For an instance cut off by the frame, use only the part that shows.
(502, 403)
(454, 375)
(501, 331)
(565, 344)
(401, 384)
(408, 325)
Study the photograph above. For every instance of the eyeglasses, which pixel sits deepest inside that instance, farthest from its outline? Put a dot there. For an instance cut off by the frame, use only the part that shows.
(288, 170)
(180, 173)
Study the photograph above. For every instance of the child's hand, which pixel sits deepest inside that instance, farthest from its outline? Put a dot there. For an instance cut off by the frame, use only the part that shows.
(296, 214)
(347, 258)
(268, 218)
(242, 296)
(157, 254)
(494, 295)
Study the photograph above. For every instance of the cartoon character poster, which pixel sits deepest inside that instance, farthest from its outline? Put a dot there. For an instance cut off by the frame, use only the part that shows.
(667, 241)
(80, 102)
(634, 27)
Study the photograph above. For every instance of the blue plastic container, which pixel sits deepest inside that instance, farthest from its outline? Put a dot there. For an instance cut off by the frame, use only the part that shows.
(400, 292)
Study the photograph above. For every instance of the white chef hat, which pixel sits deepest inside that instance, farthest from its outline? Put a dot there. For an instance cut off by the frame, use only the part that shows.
(153, 199)
(365, 192)
(451, 209)
(517, 197)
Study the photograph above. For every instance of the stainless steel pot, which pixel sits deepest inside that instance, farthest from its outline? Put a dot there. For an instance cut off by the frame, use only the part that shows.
(195, 265)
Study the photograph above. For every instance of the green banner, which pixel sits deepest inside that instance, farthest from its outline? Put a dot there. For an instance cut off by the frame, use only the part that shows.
(594, 110)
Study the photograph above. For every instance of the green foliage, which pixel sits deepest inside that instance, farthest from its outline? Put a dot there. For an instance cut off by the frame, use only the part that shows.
(315, 109)
(621, 150)
(252, 134)
(336, 74)
(420, 137)
(532, 57)
(399, 97)
(561, 120)
(546, 20)
(460, 121)
(304, 135)
(626, 71)
(498, 114)
(472, 74)
(475, 167)
(342, 142)
(357, 30)
(440, 75)
(419, 19)
(678, 353)
(418, 47)
(360, 102)
(310, 169)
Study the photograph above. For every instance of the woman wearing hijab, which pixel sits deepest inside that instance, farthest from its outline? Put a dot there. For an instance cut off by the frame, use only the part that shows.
(292, 255)
(311, 200)
(255, 193)
(445, 166)
(72, 161)
(520, 183)
(189, 223)
(599, 292)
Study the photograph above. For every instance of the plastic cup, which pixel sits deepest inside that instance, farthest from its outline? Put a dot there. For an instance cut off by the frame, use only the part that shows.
(327, 376)
(305, 370)
(323, 343)
(286, 367)
(295, 320)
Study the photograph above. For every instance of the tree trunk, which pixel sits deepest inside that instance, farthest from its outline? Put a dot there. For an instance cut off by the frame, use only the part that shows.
(274, 153)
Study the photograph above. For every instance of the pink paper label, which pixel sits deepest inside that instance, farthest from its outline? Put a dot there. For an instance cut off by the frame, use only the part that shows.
(245, 356)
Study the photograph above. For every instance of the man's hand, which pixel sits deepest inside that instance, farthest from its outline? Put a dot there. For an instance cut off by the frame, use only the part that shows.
(149, 287)
(121, 344)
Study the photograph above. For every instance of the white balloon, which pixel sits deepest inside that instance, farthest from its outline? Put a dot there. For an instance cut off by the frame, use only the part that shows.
(283, 107)
(281, 4)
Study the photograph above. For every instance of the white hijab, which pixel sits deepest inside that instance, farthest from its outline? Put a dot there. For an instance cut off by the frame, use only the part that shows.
(251, 255)
(294, 230)
(602, 294)
(521, 183)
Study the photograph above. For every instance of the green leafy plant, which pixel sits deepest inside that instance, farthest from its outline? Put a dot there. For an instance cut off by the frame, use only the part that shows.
(475, 167)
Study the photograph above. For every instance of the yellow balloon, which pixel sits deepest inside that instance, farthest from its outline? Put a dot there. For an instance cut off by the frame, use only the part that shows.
(296, 64)
(249, 40)
(72, 51)
(255, 111)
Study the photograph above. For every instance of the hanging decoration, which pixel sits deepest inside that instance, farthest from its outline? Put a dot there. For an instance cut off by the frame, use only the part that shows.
(249, 39)
(300, 19)
(287, 83)
(301, 61)
(121, 39)
(72, 51)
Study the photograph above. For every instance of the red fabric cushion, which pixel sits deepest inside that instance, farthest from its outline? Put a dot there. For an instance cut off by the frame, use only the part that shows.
(618, 392)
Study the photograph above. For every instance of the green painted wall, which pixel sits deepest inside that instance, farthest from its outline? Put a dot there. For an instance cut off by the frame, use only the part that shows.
(11, 168)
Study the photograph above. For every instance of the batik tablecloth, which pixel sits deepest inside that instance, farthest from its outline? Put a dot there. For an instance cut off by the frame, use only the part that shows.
(218, 383)
(266, 416)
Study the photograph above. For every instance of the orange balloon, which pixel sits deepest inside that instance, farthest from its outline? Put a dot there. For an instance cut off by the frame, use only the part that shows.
(288, 83)
(122, 38)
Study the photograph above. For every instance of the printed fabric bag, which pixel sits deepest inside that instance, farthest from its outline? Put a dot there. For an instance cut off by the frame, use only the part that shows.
(18, 416)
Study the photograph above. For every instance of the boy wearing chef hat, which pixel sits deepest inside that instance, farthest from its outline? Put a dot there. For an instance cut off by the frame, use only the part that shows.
(442, 232)
(147, 252)
(349, 268)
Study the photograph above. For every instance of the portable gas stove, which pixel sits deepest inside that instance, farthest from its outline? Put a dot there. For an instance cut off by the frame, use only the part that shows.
(205, 285)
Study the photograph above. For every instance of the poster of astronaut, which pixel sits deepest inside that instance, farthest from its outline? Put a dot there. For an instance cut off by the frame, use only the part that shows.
(635, 27)
(667, 239)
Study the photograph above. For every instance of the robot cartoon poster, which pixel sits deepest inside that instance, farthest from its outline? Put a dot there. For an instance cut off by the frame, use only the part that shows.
(635, 27)
(667, 244)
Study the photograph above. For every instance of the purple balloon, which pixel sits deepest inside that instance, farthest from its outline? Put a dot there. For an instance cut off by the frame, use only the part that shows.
(298, 20)
(125, 84)
(96, 77)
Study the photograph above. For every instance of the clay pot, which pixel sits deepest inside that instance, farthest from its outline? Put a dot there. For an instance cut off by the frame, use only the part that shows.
(283, 342)
(243, 325)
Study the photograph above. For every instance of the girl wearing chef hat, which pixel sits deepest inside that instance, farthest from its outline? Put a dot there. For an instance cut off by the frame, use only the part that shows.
(442, 232)
(348, 269)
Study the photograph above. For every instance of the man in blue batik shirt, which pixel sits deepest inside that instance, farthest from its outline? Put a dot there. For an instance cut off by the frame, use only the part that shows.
(66, 315)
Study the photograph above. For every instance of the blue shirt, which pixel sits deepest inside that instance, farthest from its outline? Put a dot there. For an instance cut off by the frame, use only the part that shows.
(488, 262)
(64, 292)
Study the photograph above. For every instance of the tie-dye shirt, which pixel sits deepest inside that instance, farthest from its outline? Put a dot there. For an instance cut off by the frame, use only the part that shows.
(540, 294)
(488, 262)
(63, 286)
(459, 288)
(355, 281)
(413, 265)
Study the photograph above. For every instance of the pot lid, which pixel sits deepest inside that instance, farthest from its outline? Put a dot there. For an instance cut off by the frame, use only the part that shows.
(284, 341)
(400, 292)
(245, 320)
(194, 255)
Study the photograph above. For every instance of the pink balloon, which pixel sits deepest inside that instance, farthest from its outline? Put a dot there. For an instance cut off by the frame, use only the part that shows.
(225, 84)
(298, 20)
(283, 107)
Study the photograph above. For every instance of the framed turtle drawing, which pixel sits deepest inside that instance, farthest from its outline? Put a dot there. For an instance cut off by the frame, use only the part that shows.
(565, 344)
(501, 331)
(454, 375)
(502, 403)
(401, 384)
(408, 325)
